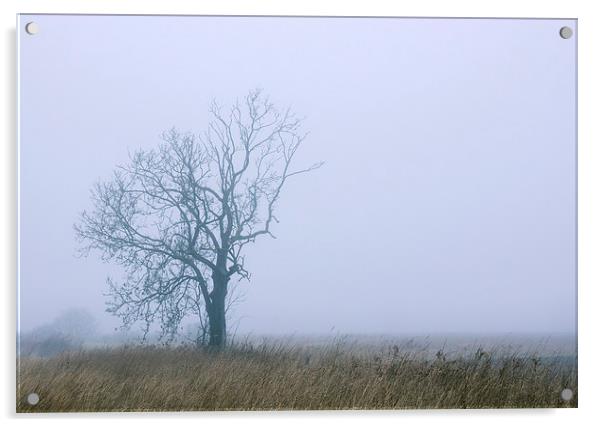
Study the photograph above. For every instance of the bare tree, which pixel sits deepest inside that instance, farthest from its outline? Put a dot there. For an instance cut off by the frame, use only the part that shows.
(179, 218)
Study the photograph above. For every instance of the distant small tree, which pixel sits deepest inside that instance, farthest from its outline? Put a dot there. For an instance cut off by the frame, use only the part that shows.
(67, 332)
(179, 218)
(76, 323)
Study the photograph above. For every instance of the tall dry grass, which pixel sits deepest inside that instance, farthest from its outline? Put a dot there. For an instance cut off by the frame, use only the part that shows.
(263, 377)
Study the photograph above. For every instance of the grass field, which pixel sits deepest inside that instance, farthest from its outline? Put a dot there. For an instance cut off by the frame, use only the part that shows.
(264, 377)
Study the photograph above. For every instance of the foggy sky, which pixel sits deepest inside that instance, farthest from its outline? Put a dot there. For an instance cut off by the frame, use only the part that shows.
(447, 198)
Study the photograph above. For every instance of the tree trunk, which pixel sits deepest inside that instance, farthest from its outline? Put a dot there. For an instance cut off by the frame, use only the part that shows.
(217, 310)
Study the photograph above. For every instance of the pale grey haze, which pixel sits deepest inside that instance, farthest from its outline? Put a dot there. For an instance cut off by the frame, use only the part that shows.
(447, 201)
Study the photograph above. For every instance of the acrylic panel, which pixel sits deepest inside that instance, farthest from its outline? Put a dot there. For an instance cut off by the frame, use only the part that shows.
(261, 213)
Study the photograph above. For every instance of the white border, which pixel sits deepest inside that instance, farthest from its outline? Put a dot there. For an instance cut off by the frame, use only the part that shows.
(589, 214)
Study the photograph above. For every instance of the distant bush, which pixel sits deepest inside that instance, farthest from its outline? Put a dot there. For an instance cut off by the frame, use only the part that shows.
(47, 344)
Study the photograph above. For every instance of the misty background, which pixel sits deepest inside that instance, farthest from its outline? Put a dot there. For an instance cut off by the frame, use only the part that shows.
(446, 204)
